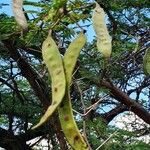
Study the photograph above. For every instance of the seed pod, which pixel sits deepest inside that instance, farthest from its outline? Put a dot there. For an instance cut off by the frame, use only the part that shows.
(19, 14)
(69, 126)
(53, 61)
(103, 38)
(71, 55)
(67, 121)
(146, 62)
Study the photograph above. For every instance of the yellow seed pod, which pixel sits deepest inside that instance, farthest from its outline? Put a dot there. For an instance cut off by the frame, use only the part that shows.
(71, 55)
(104, 44)
(67, 121)
(53, 61)
(69, 126)
(146, 62)
(17, 6)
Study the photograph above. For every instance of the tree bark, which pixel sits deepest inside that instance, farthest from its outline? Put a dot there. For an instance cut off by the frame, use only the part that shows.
(109, 116)
(36, 83)
(11, 142)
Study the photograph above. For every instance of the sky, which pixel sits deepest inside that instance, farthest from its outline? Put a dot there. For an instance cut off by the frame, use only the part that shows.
(8, 10)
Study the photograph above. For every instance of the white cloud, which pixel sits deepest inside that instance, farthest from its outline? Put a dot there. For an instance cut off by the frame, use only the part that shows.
(131, 122)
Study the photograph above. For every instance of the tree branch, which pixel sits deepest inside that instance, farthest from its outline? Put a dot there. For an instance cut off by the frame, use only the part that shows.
(27, 71)
(10, 141)
(37, 84)
(125, 99)
(109, 116)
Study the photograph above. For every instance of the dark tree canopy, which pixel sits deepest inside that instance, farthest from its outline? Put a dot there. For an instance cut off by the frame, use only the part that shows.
(100, 91)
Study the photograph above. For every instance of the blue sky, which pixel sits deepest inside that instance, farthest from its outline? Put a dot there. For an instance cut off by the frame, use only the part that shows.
(8, 10)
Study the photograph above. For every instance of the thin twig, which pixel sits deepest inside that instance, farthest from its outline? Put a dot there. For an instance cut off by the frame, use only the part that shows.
(90, 108)
(57, 21)
(106, 140)
(97, 102)
(77, 112)
(73, 19)
(84, 123)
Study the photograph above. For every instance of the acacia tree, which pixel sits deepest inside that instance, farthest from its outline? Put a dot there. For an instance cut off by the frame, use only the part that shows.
(99, 91)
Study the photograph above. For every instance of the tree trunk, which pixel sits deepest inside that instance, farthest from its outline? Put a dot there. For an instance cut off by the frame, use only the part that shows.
(11, 142)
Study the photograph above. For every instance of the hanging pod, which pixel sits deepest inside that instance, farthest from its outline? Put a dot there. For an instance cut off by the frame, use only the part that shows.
(146, 62)
(104, 44)
(67, 121)
(53, 61)
(20, 18)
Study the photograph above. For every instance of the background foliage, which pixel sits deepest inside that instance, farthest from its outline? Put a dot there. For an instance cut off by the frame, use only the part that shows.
(99, 93)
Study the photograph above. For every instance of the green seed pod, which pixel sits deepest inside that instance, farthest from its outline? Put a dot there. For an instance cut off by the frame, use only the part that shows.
(146, 62)
(67, 121)
(103, 38)
(53, 61)
(17, 6)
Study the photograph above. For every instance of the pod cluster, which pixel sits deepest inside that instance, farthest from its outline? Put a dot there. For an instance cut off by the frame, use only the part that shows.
(67, 121)
(61, 70)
